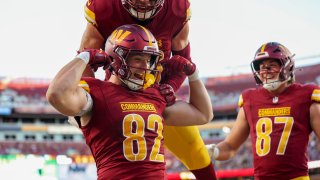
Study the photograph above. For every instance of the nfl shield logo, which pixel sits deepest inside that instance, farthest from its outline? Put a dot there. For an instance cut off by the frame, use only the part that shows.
(275, 100)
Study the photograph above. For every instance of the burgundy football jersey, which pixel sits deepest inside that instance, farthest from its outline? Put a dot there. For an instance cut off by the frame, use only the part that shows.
(125, 131)
(280, 129)
(107, 15)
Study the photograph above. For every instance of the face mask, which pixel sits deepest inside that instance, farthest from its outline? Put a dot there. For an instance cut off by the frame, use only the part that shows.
(141, 15)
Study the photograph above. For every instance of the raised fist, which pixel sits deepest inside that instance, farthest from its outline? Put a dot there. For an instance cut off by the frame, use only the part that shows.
(98, 58)
(180, 64)
(167, 93)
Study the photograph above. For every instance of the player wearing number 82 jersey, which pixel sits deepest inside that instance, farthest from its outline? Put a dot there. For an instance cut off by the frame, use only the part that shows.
(126, 134)
(122, 118)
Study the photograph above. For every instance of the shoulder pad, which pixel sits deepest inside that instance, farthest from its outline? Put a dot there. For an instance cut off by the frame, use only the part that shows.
(96, 10)
(181, 8)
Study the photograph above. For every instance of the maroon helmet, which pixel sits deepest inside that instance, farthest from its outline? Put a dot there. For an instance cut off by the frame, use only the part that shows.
(134, 39)
(276, 51)
(142, 11)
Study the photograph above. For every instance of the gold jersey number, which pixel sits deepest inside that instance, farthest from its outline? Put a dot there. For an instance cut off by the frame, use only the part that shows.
(136, 120)
(263, 131)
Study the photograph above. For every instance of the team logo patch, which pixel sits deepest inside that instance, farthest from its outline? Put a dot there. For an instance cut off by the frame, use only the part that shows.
(137, 106)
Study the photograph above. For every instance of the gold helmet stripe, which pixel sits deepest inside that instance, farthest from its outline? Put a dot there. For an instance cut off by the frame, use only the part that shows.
(148, 34)
(263, 48)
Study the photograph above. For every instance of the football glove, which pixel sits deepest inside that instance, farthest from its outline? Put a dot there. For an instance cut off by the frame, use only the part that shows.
(167, 93)
(180, 64)
(98, 58)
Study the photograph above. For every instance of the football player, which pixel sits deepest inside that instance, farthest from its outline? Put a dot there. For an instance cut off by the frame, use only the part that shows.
(168, 21)
(279, 116)
(122, 119)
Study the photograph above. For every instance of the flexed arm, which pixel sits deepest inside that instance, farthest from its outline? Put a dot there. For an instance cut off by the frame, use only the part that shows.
(63, 93)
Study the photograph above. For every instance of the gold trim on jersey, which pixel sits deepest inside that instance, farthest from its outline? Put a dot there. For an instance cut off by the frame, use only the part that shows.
(84, 85)
(137, 106)
(301, 178)
(90, 15)
(240, 102)
(188, 14)
(89, 2)
(284, 111)
(315, 95)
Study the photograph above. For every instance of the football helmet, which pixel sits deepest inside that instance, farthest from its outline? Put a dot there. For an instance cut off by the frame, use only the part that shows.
(276, 51)
(142, 11)
(129, 40)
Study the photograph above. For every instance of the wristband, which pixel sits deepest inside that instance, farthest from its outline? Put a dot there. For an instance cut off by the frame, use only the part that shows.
(85, 56)
(216, 152)
(194, 76)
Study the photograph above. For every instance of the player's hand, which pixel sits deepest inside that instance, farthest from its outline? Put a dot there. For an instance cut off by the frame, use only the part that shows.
(98, 58)
(180, 64)
(167, 93)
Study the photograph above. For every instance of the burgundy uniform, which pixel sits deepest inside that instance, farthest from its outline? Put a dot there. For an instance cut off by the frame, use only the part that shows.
(125, 131)
(107, 15)
(280, 129)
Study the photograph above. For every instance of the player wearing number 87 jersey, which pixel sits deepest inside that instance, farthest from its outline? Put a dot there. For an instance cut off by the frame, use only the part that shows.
(122, 119)
(278, 116)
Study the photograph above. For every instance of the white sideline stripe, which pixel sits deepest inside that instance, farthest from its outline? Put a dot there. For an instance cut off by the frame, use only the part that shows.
(314, 164)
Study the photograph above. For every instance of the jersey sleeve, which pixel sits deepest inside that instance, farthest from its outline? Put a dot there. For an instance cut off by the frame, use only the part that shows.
(84, 85)
(315, 96)
(182, 12)
(245, 97)
(181, 8)
(88, 84)
(89, 12)
(240, 101)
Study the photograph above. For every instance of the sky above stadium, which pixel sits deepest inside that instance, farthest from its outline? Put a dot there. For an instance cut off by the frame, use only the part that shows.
(38, 37)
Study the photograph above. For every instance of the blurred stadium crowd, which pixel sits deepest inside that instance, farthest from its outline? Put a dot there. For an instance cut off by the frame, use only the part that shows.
(29, 125)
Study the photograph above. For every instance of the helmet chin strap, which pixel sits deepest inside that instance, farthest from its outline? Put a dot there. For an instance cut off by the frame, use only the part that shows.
(149, 80)
(272, 85)
(134, 84)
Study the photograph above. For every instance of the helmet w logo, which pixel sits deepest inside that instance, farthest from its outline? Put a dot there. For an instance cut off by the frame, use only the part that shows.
(118, 35)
